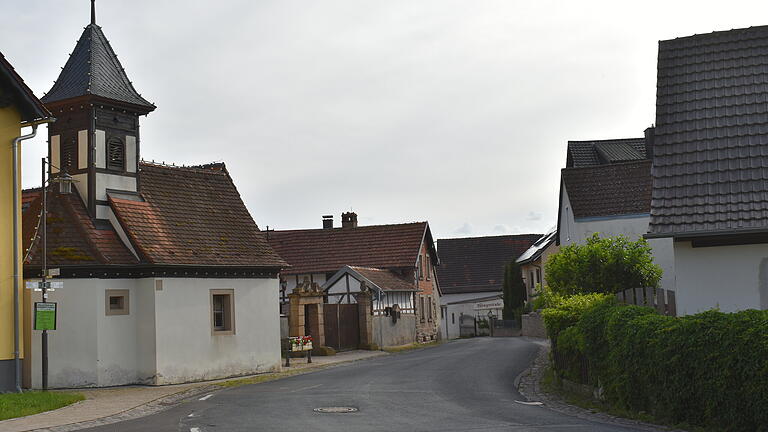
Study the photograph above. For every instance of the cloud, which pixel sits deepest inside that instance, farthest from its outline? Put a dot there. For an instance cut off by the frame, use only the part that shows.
(533, 216)
(464, 229)
(501, 229)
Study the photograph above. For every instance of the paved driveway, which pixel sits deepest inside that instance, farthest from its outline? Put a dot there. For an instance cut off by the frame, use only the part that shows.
(465, 385)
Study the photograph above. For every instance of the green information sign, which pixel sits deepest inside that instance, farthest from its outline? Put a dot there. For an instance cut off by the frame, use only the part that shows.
(45, 316)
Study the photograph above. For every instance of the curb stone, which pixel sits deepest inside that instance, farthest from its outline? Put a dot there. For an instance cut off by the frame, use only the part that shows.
(166, 402)
(529, 385)
(149, 408)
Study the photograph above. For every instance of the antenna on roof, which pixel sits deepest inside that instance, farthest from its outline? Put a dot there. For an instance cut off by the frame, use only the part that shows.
(93, 12)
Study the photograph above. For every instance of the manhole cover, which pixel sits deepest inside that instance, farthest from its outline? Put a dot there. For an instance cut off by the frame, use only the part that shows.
(336, 410)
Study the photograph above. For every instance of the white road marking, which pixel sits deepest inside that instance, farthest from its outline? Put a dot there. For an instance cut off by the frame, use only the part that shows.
(529, 403)
(305, 388)
(206, 397)
(194, 429)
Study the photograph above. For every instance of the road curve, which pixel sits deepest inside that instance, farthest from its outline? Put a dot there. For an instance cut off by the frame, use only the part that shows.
(465, 385)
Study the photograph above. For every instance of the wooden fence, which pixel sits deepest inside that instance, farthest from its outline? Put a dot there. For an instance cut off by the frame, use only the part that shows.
(660, 299)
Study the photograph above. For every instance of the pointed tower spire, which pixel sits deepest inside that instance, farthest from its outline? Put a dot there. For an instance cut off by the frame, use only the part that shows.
(93, 12)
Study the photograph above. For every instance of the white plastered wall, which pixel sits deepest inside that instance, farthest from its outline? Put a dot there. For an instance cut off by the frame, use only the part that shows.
(577, 231)
(165, 338)
(186, 348)
(730, 278)
(82, 149)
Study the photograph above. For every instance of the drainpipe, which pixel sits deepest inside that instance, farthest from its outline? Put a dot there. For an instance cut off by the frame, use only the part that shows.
(16, 246)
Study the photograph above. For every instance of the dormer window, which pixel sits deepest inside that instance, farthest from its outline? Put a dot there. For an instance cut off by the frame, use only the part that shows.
(116, 154)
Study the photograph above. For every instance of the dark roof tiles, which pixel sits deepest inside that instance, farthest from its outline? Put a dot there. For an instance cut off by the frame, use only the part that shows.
(72, 237)
(385, 279)
(711, 139)
(476, 264)
(93, 69)
(193, 216)
(328, 250)
(609, 190)
(599, 152)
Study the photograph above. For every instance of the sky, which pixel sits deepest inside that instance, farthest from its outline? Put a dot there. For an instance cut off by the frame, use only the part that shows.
(454, 112)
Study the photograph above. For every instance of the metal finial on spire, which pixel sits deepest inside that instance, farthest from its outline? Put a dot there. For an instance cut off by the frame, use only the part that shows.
(93, 12)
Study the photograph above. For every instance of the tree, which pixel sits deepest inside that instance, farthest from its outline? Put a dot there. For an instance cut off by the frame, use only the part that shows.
(514, 291)
(602, 265)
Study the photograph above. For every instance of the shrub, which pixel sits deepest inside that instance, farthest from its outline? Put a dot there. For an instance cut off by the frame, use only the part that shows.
(709, 369)
(564, 312)
(602, 265)
(514, 292)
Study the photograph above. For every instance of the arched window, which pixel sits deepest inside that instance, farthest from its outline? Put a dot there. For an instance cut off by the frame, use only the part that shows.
(115, 154)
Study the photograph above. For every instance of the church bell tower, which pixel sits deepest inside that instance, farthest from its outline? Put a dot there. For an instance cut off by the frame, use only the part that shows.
(96, 137)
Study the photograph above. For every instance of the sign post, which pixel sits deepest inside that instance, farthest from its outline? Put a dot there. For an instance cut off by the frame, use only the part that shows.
(45, 316)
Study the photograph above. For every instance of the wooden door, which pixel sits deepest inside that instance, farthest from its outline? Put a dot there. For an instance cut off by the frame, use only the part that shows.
(342, 329)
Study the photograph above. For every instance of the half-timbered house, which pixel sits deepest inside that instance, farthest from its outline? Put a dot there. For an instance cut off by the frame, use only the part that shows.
(402, 252)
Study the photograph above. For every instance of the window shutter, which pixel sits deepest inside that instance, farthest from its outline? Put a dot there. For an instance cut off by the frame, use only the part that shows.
(115, 154)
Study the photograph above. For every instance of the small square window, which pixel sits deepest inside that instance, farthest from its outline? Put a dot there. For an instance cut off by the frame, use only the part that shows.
(222, 312)
(117, 302)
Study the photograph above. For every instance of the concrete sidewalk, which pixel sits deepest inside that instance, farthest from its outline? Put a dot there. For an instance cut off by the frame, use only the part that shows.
(110, 405)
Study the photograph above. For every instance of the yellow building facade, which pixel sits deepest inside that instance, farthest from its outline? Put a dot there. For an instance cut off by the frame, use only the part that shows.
(18, 108)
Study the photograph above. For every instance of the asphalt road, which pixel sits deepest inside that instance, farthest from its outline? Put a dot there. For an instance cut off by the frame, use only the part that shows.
(465, 385)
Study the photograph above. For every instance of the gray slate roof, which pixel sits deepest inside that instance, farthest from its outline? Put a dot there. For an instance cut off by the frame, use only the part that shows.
(590, 153)
(710, 166)
(93, 69)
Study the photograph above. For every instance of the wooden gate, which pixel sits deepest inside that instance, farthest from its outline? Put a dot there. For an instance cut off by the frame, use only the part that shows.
(342, 329)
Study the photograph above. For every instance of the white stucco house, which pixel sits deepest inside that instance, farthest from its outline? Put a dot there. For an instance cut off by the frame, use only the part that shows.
(166, 276)
(472, 272)
(532, 262)
(606, 189)
(710, 168)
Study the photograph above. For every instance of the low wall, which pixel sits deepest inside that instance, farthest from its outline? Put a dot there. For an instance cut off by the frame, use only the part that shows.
(533, 326)
(386, 333)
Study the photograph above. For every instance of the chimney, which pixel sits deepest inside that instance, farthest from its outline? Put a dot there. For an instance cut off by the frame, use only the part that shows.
(650, 133)
(327, 221)
(349, 220)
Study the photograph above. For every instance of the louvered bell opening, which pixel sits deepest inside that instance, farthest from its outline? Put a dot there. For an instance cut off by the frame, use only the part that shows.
(115, 154)
(68, 154)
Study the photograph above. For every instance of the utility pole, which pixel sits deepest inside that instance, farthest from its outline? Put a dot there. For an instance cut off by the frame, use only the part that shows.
(44, 270)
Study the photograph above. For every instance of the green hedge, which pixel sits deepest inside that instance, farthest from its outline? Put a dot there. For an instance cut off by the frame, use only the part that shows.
(709, 369)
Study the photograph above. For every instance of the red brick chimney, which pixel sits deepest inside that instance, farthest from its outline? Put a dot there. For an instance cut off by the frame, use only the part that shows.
(349, 220)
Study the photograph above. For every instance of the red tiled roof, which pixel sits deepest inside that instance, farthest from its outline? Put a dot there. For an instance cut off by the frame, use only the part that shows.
(385, 279)
(328, 250)
(72, 237)
(476, 264)
(193, 216)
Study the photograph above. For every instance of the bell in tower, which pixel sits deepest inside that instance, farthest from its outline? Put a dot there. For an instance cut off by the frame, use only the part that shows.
(96, 137)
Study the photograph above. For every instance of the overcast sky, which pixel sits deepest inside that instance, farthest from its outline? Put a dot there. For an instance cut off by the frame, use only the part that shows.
(455, 112)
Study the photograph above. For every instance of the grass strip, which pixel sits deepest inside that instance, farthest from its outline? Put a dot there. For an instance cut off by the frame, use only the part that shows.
(409, 347)
(14, 405)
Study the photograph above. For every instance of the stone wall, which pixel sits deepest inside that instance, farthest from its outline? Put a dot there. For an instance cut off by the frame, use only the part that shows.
(533, 326)
(386, 333)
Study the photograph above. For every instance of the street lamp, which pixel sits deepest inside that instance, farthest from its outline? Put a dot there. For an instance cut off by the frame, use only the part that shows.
(65, 187)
